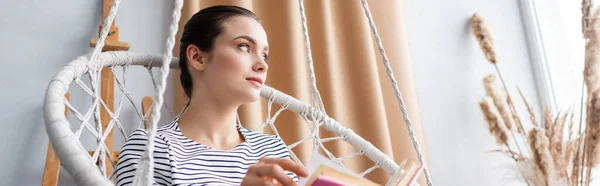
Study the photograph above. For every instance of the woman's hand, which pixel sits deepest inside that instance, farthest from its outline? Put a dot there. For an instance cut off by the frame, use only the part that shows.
(271, 171)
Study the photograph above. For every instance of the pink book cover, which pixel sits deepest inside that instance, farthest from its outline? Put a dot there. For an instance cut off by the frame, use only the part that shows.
(416, 176)
(325, 181)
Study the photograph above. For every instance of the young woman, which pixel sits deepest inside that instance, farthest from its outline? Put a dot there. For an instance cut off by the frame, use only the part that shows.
(223, 60)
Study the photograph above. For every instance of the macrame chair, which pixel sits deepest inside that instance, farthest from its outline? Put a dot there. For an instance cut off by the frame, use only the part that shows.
(91, 170)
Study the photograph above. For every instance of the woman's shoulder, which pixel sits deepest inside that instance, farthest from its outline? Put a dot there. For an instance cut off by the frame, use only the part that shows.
(133, 150)
(248, 133)
(161, 132)
(256, 137)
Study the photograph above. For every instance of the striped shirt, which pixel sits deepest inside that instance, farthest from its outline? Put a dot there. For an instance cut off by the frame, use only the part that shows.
(180, 161)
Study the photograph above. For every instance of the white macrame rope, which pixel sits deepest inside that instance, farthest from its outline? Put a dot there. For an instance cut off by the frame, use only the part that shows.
(74, 156)
(122, 84)
(94, 77)
(92, 111)
(362, 174)
(318, 103)
(315, 95)
(394, 83)
(101, 146)
(316, 118)
(341, 159)
(319, 119)
(85, 123)
(316, 100)
(324, 140)
(104, 32)
(114, 121)
(84, 119)
(95, 74)
(154, 83)
(144, 174)
(330, 124)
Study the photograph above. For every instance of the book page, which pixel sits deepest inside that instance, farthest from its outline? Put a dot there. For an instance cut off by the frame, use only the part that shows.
(317, 160)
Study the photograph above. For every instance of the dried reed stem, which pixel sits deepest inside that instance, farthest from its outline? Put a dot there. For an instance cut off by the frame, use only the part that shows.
(513, 112)
(483, 36)
(529, 109)
(581, 158)
(510, 153)
(571, 143)
(577, 166)
(539, 144)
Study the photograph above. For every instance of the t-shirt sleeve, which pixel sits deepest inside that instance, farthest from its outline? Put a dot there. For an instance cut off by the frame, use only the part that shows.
(132, 152)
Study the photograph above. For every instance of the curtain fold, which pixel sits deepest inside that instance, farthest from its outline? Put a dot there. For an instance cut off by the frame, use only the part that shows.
(351, 78)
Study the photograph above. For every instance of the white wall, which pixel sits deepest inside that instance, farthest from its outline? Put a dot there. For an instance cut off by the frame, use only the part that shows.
(449, 67)
(37, 38)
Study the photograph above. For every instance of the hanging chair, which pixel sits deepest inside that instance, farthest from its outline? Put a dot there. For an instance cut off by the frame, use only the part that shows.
(90, 168)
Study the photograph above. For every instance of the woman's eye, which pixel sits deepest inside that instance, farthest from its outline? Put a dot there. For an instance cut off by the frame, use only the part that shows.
(265, 57)
(244, 47)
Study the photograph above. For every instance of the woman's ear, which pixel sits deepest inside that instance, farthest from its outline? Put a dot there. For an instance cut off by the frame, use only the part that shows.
(196, 58)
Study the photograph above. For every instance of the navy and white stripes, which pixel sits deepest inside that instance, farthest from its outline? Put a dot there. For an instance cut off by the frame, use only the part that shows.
(181, 161)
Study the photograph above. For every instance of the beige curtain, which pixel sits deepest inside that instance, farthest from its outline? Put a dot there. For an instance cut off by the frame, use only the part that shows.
(350, 76)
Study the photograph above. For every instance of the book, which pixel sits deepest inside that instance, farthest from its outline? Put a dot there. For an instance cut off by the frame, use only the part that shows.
(324, 172)
(409, 176)
(328, 176)
(324, 180)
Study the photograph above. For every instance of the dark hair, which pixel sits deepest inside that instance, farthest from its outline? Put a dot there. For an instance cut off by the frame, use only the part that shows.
(201, 30)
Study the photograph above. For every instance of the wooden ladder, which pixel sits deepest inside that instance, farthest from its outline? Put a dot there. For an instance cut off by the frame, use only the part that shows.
(112, 43)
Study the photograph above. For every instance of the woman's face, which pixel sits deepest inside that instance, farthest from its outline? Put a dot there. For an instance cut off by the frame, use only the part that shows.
(236, 68)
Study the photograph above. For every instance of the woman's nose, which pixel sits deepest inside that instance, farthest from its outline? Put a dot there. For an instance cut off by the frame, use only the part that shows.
(261, 65)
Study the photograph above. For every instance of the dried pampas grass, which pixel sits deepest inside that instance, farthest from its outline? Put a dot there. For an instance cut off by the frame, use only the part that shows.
(499, 97)
(494, 120)
(554, 159)
(574, 162)
(539, 144)
(529, 172)
(592, 58)
(529, 109)
(483, 36)
(586, 9)
(557, 144)
(593, 131)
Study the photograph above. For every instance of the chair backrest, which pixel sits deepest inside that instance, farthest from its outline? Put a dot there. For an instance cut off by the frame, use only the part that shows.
(76, 159)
